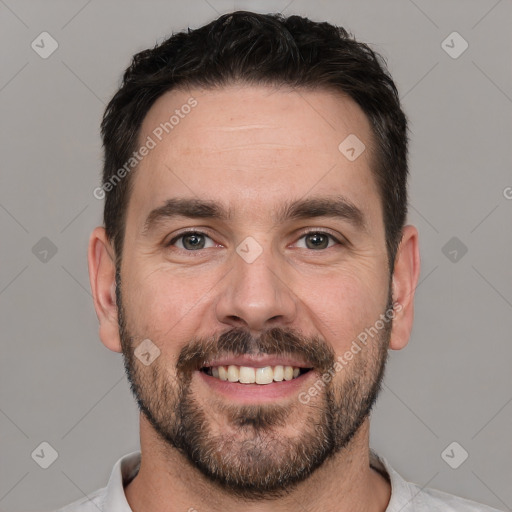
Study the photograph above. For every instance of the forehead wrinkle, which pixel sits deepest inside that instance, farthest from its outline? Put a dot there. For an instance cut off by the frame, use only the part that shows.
(239, 127)
(255, 146)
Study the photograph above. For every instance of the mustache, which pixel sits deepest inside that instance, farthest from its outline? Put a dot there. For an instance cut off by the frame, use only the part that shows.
(275, 341)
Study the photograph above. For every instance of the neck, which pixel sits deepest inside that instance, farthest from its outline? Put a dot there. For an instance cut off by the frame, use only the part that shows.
(167, 482)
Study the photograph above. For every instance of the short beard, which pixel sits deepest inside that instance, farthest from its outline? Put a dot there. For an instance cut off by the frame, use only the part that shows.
(253, 460)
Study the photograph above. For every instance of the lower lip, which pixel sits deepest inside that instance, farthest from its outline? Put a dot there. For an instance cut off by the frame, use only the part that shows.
(257, 393)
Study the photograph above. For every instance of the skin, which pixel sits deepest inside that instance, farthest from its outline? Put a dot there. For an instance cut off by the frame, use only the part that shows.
(252, 148)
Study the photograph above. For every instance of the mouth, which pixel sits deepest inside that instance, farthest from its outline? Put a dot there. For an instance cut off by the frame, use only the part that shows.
(261, 375)
(256, 379)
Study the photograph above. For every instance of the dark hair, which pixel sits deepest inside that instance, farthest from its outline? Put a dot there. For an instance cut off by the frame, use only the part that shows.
(268, 50)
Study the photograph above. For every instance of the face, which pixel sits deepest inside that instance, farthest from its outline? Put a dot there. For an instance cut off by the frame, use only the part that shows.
(254, 257)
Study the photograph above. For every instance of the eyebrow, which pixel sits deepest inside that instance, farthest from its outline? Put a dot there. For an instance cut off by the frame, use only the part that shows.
(336, 207)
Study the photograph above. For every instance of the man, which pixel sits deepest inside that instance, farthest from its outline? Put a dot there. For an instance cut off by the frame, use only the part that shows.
(254, 270)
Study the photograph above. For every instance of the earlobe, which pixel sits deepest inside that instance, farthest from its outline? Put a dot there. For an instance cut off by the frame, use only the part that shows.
(404, 281)
(102, 273)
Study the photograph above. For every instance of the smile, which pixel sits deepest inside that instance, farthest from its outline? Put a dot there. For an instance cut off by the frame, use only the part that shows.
(254, 375)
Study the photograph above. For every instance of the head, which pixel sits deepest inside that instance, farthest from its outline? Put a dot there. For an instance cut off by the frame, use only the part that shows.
(255, 200)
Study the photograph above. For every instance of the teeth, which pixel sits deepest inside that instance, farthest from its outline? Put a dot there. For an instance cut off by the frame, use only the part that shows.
(264, 375)
(250, 375)
(233, 373)
(247, 375)
(278, 373)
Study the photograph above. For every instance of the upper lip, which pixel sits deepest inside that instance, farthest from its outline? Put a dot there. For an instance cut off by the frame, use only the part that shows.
(257, 361)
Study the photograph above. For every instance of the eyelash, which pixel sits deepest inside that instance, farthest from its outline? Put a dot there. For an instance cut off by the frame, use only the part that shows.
(201, 233)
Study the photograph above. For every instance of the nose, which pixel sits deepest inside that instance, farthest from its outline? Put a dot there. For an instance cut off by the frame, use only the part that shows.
(256, 296)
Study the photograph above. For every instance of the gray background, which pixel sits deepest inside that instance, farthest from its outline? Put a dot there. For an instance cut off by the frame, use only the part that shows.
(60, 385)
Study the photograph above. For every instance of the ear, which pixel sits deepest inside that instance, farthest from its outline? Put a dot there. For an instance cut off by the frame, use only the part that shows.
(405, 280)
(102, 276)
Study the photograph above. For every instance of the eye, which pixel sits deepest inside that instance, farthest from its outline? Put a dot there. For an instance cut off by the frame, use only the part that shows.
(191, 241)
(318, 240)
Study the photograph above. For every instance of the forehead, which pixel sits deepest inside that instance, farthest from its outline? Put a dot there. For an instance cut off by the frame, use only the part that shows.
(252, 145)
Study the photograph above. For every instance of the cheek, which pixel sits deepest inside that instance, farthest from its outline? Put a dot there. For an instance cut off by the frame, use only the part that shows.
(345, 304)
(164, 306)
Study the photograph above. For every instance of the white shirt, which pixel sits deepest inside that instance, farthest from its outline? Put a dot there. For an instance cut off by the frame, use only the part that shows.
(405, 496)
